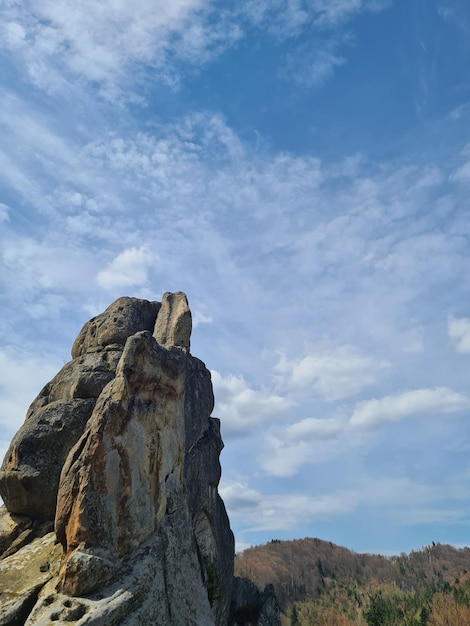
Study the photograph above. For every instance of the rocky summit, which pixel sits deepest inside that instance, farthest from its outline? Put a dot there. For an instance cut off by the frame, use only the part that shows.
(111, 507)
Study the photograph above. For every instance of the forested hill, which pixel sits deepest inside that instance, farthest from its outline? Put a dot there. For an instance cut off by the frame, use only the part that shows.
(317, 580)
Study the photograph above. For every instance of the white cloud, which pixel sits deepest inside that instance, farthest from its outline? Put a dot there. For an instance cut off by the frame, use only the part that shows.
(128, 269)
(242, 408)
(408, 404)
(101, 42)
(313, 428)
(199, 318)
(283, 458)
(4, 209)
(22, 376)
(462, 173)
(413, 340)
(31, 267)
(104, 43)
(332, 372)
(459, 333)
(315, 66)
(331, 13)
(310, 441)
(406, 501)
(289, 19)
(282, 511)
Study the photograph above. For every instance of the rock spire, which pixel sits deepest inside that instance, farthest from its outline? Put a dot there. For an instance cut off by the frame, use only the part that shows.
(111, 510)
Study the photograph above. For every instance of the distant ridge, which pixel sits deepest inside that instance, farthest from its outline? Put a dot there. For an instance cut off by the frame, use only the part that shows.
(315, 573)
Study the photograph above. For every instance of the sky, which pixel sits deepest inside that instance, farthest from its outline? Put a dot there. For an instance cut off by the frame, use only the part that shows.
(301, 170)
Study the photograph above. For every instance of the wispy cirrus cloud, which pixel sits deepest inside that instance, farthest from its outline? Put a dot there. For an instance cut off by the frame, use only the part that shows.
(113, 45)
(102, 42)
(288, 19)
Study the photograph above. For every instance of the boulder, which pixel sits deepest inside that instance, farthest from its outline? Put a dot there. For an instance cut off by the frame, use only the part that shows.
(29, 478)
(120, 320)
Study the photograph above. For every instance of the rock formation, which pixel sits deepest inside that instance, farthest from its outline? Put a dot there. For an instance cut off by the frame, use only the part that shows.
(112, 514)
(252, 606)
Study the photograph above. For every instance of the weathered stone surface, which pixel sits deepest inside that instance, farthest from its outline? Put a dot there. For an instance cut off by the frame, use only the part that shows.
(29, 478)
(127, 469)
(202, 475)
(84, 377)
(270, 612)
(159, 583)
(18, 530)
(174, 324)
(251, 606)
(122, 318)
(11, 527)
(23, 574)
(121, 448)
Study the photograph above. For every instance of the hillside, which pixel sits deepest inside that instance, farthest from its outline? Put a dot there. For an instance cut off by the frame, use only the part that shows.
(318, 582)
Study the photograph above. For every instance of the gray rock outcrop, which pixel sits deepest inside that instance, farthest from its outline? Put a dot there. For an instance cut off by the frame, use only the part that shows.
(252, 607)
(112, 513)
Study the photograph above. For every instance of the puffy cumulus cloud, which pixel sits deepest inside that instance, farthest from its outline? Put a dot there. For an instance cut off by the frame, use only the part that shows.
(243, 408)
(128, 269)
(332, 372)
(408, 404)
(459, 333)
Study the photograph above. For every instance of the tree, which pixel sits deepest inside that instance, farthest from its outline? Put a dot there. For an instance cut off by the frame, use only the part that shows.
(382, 611)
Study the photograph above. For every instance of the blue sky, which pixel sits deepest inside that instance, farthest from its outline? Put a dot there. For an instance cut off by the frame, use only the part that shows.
(301, 169)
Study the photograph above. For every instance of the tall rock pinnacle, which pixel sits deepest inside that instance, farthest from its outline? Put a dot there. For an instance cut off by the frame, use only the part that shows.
(111, 510)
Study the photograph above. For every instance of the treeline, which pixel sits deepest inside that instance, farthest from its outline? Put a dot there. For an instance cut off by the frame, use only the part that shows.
(319, 583)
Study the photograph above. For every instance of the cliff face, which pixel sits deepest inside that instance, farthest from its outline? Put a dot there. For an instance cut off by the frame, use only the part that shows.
(112, 514)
